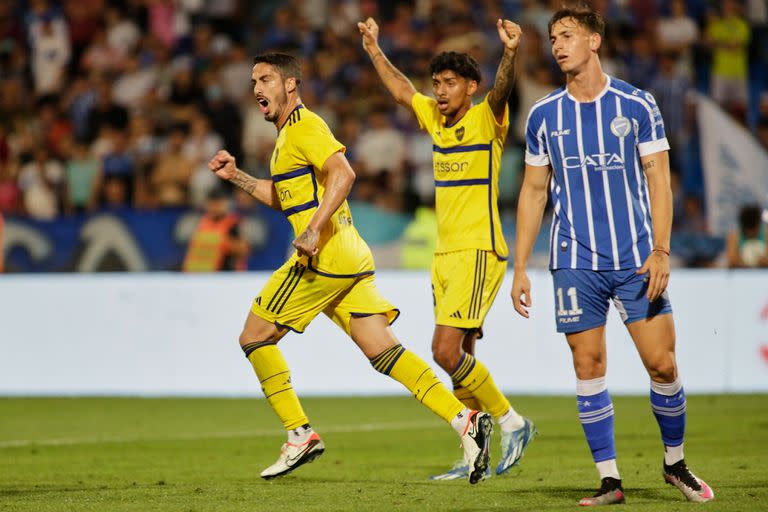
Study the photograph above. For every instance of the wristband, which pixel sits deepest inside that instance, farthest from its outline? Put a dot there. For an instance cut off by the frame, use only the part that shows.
(659, 249)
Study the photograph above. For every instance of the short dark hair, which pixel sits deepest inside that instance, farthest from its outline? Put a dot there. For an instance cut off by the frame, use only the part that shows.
(462, 64)
(750, 216)
(286, 65)
(581, 14)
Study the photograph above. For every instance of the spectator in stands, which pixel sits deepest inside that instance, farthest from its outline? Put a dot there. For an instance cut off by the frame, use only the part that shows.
(225, 118)
(171, 175)
(381, 157)
(83, 179)
(40, 182)
(676, 34)
(747, 245)
(105, 113)
(119, 161)
(10, 193)
(641, 63)
(217, 243)
(51, 51)
(673, 93)
(114, 195)
(728, 35)
(198, 148)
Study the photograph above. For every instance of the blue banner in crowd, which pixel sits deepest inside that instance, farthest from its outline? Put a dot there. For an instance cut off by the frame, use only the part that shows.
(132, 241)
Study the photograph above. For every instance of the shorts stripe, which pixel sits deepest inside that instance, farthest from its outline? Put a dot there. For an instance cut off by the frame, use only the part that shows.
(475, 303)
(296, 280)
(482, 285)
(280, 288)
(474, 284)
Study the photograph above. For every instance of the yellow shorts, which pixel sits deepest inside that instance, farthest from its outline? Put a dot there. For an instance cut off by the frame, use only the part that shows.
(464, 284)
(295, 295)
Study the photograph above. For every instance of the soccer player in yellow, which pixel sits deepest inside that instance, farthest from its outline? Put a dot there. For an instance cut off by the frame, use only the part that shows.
(470, 259)
(330, 272)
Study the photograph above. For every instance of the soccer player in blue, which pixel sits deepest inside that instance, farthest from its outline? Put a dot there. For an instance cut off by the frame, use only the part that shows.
(599, 145)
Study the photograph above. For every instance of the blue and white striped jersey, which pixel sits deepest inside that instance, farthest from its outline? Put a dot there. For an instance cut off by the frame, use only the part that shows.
(602, 215)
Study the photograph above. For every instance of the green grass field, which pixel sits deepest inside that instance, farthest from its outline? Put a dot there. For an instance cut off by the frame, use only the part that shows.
(109, 454)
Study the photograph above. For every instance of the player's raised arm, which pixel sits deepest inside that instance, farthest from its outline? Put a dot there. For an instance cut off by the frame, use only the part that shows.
(223, 164)
(338, 184)
(530, 210)
(510, 34)
(656, 167)
(396, 82)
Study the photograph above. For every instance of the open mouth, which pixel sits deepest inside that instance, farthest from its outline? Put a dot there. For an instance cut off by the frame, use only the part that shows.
(442, 104)
(263, 104)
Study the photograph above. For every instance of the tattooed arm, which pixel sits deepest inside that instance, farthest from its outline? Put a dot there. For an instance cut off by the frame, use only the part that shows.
(223, 164)
(656, 167)
(397, 83)
(510, 34)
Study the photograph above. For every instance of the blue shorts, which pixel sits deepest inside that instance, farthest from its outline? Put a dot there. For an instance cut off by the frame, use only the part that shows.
(582, 298)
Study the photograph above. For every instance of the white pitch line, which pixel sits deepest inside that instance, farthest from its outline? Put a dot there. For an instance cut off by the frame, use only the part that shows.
(340, 429)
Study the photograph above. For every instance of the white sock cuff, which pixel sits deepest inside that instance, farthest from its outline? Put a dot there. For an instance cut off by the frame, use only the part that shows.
(666, 389)
(590, 387)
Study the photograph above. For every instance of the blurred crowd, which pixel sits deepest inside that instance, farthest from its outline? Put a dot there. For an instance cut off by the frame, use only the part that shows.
(120, 104)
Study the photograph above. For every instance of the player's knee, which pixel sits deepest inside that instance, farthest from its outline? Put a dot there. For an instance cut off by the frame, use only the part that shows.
(663, 371)
(589, 365)
(446, 356)
(268, 332)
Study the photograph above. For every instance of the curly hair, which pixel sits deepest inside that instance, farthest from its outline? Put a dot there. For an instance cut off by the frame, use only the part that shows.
(462, 64)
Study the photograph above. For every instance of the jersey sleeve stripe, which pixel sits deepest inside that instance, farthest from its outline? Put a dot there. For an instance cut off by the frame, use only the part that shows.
(536, 160)
(653, 146)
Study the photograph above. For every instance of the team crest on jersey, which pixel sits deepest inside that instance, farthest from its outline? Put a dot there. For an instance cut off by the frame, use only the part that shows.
(460, 133)
(620, 126)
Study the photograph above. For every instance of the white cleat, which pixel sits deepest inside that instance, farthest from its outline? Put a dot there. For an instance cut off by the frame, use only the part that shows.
(513, 445)
(460, 470)
(693, 488)
(294, 455)
(476, 441)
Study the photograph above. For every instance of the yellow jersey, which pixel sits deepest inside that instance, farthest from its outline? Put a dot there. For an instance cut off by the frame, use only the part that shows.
(466, 160)
(303, 145)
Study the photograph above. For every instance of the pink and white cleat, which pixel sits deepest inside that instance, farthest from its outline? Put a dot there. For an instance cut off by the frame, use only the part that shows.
(609, 493)
(294, 455)
(693, 488)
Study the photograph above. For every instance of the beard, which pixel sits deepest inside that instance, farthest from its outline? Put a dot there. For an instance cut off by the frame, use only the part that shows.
(280, 103)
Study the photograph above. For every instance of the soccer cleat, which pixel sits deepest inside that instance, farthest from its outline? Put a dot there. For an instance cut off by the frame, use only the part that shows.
(459, 470)
(294, 455)
(476, 441)
(513, 445)
(609, 493)
(692, 487)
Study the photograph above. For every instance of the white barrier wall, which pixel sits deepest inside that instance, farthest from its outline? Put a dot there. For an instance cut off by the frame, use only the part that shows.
(175, 334)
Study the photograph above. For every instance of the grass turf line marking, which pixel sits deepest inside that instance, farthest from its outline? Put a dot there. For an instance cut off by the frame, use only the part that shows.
(339, 429)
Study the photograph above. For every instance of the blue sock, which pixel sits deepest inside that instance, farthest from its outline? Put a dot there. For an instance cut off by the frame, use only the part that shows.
(596, 416)
(668, 404)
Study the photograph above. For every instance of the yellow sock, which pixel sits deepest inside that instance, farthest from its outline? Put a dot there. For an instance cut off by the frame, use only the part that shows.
(472, 375)
(275, 379)
(412, 372)
(467, 398)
